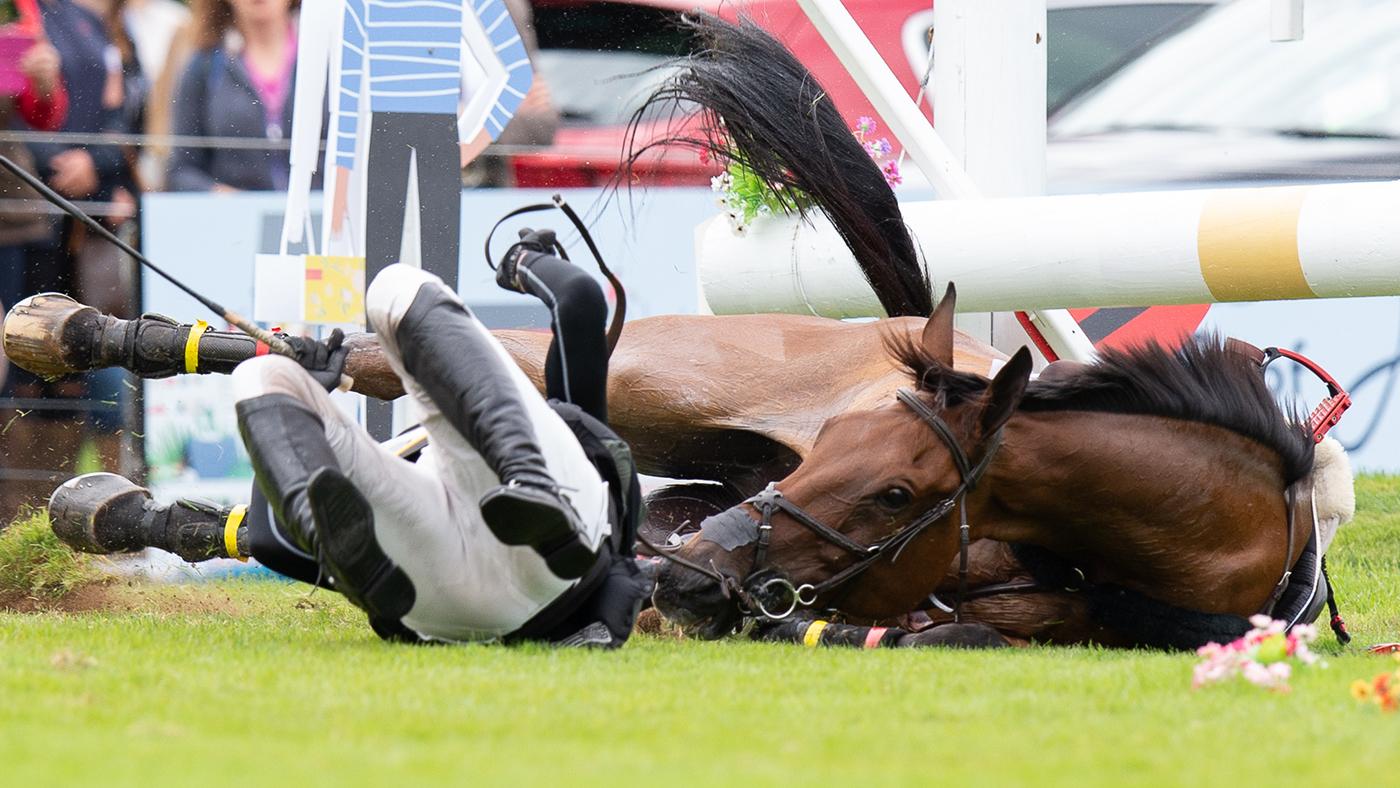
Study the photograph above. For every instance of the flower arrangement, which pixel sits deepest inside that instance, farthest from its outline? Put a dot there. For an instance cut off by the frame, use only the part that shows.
(744, 195)
(1264, 656)
(880, 150)
(1382, 690)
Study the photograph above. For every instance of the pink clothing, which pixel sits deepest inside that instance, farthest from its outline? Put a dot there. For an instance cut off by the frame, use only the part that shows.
(272, 89)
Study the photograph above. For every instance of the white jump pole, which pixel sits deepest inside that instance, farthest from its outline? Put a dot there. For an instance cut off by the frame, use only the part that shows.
(1286, 20)
(1141, 249)
(934, 158)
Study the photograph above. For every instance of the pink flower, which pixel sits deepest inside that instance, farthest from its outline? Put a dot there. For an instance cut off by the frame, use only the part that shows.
(892, 174)
(1264, 656)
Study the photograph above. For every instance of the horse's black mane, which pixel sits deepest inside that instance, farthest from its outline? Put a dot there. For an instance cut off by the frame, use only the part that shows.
(1200, 381)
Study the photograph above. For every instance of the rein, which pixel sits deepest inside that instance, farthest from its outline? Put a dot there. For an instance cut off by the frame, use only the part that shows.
(771, 500)
(620, 313)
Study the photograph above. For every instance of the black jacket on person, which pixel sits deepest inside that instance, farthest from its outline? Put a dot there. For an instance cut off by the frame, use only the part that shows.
(216, 98)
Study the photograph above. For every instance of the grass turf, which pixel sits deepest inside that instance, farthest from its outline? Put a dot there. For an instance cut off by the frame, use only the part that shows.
(234, 682)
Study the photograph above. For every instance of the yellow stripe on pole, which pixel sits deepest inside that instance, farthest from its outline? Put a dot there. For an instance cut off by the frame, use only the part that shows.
(813, 636)
(1247, 242)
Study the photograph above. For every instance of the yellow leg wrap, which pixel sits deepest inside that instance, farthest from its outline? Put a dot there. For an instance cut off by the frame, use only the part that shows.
(192, 346)
(813, 637)
(235, 519)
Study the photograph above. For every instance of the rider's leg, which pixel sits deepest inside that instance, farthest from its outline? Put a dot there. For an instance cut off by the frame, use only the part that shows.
(576, 368)
(320, 471)
(475, 402)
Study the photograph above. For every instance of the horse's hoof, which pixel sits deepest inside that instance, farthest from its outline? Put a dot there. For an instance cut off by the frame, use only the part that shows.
(956, 636)
(99, 513)
(50, 334)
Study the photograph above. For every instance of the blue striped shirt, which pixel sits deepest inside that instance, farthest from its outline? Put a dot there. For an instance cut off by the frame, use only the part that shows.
(407, 56)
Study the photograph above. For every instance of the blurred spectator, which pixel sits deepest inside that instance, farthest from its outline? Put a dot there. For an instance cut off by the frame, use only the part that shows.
(42, 105)
(47, 440)
(238, 84)
(160, 32)
(91, 67)
(153, 25)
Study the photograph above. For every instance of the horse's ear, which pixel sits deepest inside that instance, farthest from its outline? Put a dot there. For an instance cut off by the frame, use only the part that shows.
(1004, 395)
(937, 339)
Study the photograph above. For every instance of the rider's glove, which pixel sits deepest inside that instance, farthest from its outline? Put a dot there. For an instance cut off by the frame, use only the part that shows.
(531, 244)
(325, 361)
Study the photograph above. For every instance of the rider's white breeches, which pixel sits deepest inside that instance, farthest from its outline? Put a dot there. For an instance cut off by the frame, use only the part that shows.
(469, 586)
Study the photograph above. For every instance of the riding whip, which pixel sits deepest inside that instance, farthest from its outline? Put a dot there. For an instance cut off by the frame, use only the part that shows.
(275, 343)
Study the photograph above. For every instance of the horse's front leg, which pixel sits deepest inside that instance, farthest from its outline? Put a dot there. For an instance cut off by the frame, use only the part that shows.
(53, 335)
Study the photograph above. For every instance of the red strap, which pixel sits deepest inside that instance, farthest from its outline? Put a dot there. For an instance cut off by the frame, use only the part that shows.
(261, 348)
(874, 636)
(1041, 343)
(1328, 412)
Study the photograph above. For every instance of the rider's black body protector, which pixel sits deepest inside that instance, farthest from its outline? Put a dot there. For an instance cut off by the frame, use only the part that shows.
(576, 385)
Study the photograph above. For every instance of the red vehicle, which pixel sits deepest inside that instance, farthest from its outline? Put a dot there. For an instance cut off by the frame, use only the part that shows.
(600, 58)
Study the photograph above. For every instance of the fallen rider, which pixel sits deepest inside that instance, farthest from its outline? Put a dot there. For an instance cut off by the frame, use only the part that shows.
(515, 522)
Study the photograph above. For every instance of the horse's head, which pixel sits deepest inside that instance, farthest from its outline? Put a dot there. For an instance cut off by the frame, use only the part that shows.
(869, 522)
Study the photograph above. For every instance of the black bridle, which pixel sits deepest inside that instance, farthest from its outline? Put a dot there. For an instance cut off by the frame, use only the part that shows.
(755, 592)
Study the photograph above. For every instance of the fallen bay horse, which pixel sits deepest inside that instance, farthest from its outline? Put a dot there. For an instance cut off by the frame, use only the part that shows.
(1165, 488)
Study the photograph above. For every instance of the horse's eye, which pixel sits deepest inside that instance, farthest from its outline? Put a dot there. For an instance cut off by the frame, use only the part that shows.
(895, 498)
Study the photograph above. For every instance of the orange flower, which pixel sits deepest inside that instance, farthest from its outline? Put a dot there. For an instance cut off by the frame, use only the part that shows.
(1360, 689)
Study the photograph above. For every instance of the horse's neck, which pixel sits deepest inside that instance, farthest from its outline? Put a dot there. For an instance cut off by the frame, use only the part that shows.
(1189, 513)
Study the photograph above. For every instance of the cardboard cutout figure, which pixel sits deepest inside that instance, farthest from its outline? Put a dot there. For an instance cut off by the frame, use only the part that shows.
(414, 79)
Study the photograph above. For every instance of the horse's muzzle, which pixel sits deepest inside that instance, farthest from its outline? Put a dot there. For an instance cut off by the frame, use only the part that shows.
(699, 603)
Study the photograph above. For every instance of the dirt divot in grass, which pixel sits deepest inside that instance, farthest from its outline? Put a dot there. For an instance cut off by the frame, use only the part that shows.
(115, 595)
(40, 574)
(36, 564)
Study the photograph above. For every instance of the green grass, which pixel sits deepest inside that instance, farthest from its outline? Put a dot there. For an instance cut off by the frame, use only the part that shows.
(267, 684)
(34, 563)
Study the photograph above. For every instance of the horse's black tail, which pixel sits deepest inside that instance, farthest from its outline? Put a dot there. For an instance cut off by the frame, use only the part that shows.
(760, 107)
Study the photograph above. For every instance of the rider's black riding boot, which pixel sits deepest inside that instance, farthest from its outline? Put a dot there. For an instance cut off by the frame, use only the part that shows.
(320, 509)
(105, 513)
(461, 371)
(286, 443)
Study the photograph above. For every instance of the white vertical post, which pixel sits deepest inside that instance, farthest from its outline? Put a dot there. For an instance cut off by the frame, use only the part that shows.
(1286, 20)
(989, 91)
(925, 146)
(989, 82)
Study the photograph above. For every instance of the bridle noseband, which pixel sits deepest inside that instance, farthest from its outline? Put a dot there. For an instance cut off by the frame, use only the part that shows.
(756, 593)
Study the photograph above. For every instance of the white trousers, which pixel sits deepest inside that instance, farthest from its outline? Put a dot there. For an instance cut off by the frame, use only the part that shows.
(469, 586)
